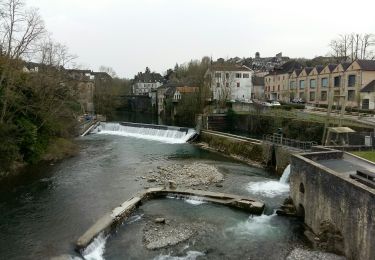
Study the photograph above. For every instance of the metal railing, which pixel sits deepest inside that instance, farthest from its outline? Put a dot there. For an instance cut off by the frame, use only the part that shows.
(280, 140)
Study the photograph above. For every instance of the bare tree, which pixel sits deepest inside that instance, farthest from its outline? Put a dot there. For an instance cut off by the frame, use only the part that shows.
(20, 29)
(349, 47)
(111, 72)
(54, 54)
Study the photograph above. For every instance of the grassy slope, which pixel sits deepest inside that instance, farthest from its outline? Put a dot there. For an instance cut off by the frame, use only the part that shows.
(368, 155)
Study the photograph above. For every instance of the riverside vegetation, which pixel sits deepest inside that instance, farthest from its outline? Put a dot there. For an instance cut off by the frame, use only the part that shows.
(38, 107)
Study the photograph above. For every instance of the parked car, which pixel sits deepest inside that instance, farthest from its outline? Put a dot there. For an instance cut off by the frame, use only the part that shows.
(298, 100)
(266, 104)
(275, 103)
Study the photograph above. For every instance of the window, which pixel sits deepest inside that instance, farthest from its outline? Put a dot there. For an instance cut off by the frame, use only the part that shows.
(312, 96)
(218, 85)
(217, 75)
(351, 81)
(238, 75)
(238, 84)
(351, 95)
(323, 96)
(292, 85)
(312, 83)
(301, 84)
(245, 75)
(336, 81)
(227, 84)
(227, 75)
(324, 82)
(278, 88)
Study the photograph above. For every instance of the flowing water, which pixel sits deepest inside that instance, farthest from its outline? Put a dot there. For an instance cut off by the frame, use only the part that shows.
(45, 210)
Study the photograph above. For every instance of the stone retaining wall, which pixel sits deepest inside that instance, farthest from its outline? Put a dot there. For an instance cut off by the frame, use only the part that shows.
(269, 155)
(325, 196)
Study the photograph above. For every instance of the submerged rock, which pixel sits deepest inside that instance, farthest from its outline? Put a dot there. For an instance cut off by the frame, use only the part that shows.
(166, 235)
(298, 254)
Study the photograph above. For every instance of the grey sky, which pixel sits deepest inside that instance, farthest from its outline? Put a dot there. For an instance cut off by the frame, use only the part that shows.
(129, 35)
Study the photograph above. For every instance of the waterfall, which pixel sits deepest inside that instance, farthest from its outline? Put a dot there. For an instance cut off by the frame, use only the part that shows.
(271, 188)
(95, 249)
(167, 134)
(285, 177)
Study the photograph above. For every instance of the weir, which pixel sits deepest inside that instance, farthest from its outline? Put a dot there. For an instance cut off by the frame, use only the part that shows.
(104, 225)
(162, 133)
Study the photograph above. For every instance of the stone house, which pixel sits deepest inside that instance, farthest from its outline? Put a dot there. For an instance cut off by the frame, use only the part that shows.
(343, 82)
(146, 82)
(368, 96)
(169, 95)
(277, 85)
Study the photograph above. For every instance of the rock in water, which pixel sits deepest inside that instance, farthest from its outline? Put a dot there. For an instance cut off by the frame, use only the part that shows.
(160, 220)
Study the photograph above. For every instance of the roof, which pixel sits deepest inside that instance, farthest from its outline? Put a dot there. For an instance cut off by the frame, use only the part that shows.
(367, 64)
(258, 81)
(298, 71)
(345, 65)
(171, 87)
(370, 87)
(319, 68)
(148, 77)
(287, 67)
(331, 67)
(308, 70)
(229, 67)
(340, 130)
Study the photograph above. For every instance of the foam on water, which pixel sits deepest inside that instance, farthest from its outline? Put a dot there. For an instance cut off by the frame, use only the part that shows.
(170, 135)
(96, 249)
(134, 218)
(268, 188)
(271, 188)
(193, 200)
(190, 255)
(254, 226)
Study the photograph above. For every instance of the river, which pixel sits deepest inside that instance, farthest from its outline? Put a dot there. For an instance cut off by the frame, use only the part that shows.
(45, 210)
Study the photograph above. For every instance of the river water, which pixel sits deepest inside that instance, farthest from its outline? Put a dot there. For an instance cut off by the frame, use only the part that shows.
(45, 210)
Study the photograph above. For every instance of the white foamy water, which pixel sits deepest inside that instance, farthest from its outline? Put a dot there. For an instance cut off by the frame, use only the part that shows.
(190, 255)
(254, 226)
(285, 177)
(271, 188)
(268, 188)
(134, 218)
(170, 135)
(193, 200)
(95, 250)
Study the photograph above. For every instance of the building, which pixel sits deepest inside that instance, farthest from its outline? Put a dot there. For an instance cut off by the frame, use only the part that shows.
(82, 82)
(146, 82)
(229, 82)
(347, 83)
(277, 83)
(170, 94)
(257, 91)
(368, 96)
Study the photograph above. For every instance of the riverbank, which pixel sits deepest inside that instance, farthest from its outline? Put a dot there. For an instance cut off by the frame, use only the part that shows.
(58, 149)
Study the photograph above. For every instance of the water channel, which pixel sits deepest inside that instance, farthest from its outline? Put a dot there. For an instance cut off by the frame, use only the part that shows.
(46, 209)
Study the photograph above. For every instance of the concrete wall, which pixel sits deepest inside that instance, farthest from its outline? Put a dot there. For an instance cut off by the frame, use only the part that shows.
(330, 196)
(267, 154)
(231, 146)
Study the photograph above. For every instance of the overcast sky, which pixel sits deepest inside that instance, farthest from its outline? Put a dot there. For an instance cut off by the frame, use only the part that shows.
(129, 35)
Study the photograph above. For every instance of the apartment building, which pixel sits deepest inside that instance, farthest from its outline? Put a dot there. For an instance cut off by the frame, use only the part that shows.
(345, 81)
